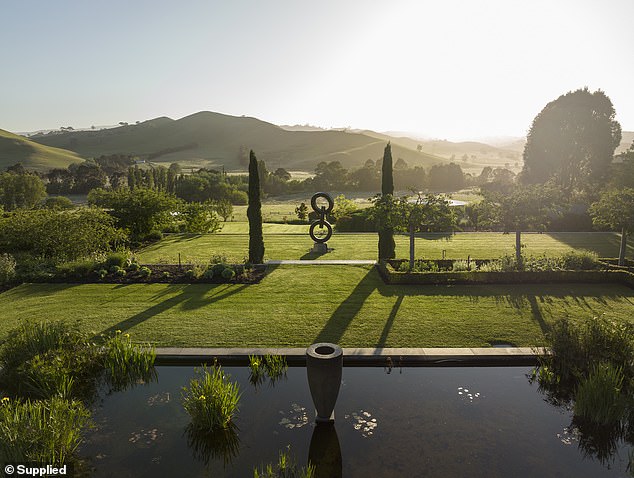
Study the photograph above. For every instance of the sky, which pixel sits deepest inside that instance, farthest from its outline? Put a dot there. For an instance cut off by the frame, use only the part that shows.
(448, 69)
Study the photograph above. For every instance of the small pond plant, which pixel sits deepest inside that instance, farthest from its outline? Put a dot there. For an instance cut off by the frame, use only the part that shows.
(285, 468)
(591, 370)
(273, 366)
(43, 431)
(211, 399)
(125, 362)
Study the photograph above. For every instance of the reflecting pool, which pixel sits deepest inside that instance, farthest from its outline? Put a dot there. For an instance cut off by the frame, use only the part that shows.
(414, 421)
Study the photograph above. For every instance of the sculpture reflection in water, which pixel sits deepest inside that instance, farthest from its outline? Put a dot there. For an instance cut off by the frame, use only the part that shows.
(324, 452)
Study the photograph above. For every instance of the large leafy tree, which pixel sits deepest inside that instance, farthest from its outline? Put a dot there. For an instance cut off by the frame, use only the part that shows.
(19, 191)
(428, 213)
(254, 213)
(387, 246)
(572, 141)
(525, 208)
(140, 210)
(615, 210)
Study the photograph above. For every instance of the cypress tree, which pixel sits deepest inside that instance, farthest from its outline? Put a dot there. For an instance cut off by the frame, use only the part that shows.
(387, 178)
(387, 246)
(254, 213)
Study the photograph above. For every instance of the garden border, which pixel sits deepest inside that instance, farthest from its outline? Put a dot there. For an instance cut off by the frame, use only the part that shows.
(517, 277)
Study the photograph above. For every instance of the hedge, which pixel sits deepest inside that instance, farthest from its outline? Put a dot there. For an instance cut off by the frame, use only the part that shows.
(391, 276)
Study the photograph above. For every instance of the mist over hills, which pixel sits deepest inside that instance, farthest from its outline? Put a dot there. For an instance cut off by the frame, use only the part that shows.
(207, 139)
(215, 140)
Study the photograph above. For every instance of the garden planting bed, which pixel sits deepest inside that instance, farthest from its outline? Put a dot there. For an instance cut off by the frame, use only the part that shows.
(391, 275)
(162, 274)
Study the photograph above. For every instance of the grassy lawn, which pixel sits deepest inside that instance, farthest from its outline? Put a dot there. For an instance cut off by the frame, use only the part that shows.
(284, 241)
(299, 305)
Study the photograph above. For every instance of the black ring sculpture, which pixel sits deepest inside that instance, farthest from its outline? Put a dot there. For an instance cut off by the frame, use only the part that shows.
(321, 222)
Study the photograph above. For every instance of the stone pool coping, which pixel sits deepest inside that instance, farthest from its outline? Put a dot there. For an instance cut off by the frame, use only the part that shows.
(396, 357)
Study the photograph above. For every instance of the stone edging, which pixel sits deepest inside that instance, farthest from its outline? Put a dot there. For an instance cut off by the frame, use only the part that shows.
(395, 357)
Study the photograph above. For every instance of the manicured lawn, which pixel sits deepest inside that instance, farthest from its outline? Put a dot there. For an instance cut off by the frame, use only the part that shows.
(284, 241)
(299, 305)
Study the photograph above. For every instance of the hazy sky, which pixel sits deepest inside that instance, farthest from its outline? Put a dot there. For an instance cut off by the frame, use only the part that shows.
(447, 69)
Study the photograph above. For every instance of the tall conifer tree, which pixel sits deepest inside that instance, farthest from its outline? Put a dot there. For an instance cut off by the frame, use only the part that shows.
(254, 213)
(387, 246)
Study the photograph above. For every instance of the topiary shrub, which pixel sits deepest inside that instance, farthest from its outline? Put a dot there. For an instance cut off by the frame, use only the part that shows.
(208, 274)
(228, 273)
(166, 275)
(145, 272)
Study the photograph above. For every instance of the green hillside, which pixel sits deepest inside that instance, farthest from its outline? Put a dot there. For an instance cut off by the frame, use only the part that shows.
(208, 139)
(18, 149)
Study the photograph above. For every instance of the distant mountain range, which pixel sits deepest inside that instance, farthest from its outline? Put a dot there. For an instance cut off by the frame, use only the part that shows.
(215, 140)
(208, 139)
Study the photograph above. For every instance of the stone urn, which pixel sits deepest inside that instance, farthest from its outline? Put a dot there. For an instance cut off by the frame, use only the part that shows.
(324, 363)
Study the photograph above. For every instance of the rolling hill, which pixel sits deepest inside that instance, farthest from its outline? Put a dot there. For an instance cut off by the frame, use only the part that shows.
(207, 139)
(18, 149)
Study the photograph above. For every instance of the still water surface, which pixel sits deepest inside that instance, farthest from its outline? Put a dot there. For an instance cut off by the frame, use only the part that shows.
(415, 421)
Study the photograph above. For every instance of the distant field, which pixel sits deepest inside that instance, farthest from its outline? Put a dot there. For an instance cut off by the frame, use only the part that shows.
(295, 306)
(292, 242)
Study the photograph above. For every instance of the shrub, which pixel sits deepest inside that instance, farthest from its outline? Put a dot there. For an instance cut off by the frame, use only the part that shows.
(115, 259)
(76, 269)
(218, 259)
(145, 272)
(228, 273)
(47, 431)
(195, 272)
(35, 338)
(120, 273)
(59, 235)
(166, 275)
(462, 265)
(7, 268)
(211, 400)
(580, 260)
(218, 268)
(134, 267)
(153, 236)
(114, 269)
(102, 273)
(208, 274)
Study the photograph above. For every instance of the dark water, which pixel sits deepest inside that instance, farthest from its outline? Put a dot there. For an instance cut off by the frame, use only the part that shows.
(436, 422)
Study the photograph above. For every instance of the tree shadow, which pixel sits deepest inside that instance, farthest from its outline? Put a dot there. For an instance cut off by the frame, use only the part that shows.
(605, 244)
(347, 310)
(191, 297)
(520, 296)
(390, 321)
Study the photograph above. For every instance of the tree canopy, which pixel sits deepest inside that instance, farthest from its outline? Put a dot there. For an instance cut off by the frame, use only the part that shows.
(572, 141)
